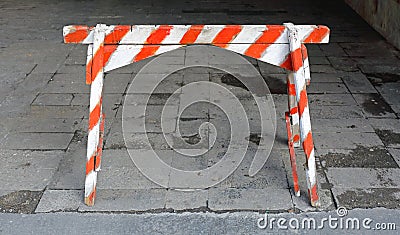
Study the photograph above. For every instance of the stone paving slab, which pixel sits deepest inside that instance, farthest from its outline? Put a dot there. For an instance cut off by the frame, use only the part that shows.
(318, 60)
(341, 125)
(186, 200)
(395, 154)
(60, 200)
(343, 63)
(48, 125)
(333, 49)
(364, 177)
(367, 197)
(374, 106)
(388, 130)
(318, 100)
(361, 156)
(326, 77)
(358, 83)
(28, 170)
(76, 60)
(154, 99)
(336, 112)
(346, 140)
(71, 170)
(390, 92)
(77, 69)
(326, 88)
(48, 67)
(65, 86)
(322, 68)
(128, 200)
(116, 83)
(57, 112)
(53, 99)
(385, 124)
(249, 199)
(36, 141)
(396, 109)
(118, 171)
(380, 49)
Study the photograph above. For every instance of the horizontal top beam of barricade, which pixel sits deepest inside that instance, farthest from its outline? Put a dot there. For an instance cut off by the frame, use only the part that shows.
(195, 34)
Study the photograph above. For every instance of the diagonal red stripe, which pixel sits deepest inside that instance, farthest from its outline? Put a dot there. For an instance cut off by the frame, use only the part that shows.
(291, 89)
(226, 35)
(308, 144)
(90, 165)
(80, 33)
(287, 64)
(269, 35)
(317, 35)
(94, 116)
(297, 59)
(117, 34)
(155, 38)
(192, 34)
(304, 51)
(303, 102)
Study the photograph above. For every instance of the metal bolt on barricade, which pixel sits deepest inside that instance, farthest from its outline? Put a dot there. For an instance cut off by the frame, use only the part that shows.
(111, 47)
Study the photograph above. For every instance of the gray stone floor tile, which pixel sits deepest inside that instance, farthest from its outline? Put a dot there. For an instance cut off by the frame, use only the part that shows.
(336, 112)
(341, 125)
(358, 83)
(361, 156)
(60, 200)
(70, 174)
(343, 63)
(249, 199)
(374, 106)
(367, 197)
(118, 171)
(28, 170)
(390, 92)
(326, 77)
(53, 99)
(322, 69)
(346, 140)
(395, 154)
(326, 88)
(36, 141)
(47, 125)
(331, 100)
(364, 177)
(186, 200)
(128, 200)
(388, 130)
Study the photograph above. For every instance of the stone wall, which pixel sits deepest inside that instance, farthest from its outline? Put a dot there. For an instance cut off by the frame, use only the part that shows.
(383, 15)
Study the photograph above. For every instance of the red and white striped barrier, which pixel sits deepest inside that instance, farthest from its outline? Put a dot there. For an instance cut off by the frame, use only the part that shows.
(112, 47)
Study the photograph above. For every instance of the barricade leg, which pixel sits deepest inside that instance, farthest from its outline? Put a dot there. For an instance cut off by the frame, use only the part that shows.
(96, 118)
(304, 113)
(293, 110)
(292, 156)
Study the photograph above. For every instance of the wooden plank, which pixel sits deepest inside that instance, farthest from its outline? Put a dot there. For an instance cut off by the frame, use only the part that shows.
(139, 34)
